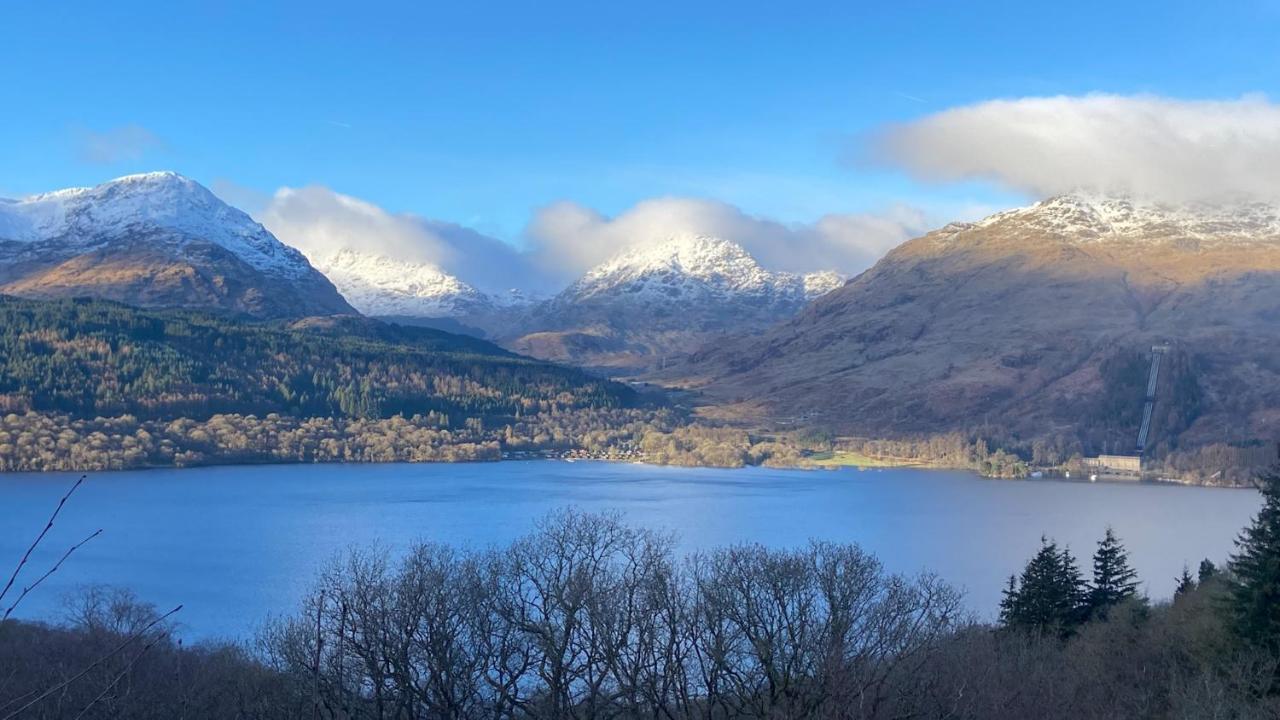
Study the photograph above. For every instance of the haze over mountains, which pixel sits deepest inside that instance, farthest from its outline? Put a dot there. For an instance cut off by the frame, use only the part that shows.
(1038, 322)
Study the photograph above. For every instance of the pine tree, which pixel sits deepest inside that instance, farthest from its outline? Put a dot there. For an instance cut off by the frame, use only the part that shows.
(1048, 596)
(1255, 572)
(1073, 588)
(1186, 583)
(1207, 570)
(1114, 581)
(1009, 602)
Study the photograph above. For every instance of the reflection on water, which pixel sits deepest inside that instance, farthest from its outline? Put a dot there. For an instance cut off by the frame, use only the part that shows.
(238, 544)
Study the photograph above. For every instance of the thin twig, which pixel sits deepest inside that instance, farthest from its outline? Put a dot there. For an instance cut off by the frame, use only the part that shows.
(342, 648)
(315, 691)
(17, 699)
(119, 676)
(118, 649)
(45, 576)
(48, 526)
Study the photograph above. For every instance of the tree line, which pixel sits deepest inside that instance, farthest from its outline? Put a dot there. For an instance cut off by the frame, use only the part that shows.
(94, 385)
(86, 359)
(41, 442)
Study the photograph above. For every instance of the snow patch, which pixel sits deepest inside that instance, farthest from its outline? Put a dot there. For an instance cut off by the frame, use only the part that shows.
(1086, 217)
(381, 286)
(92, 217)
(695, 268)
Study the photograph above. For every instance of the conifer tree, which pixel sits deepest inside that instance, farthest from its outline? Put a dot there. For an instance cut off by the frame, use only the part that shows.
(1185, 582)
(1255, 572)
(1048, 596)
(1207, 570)
(1114, 581)
(1009, 602)
(1073, 587)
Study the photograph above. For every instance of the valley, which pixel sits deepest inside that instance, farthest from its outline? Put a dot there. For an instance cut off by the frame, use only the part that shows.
(639, 311)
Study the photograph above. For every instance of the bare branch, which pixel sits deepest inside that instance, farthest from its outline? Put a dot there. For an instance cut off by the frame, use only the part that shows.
(48, 526)
(52, 570)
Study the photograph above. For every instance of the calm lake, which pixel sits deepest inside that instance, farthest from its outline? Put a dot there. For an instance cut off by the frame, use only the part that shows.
(238, 544)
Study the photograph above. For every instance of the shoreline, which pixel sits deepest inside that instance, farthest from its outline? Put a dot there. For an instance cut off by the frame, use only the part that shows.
(568, 457)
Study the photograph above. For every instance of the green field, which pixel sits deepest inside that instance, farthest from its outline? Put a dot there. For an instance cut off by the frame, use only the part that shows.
(841, 458)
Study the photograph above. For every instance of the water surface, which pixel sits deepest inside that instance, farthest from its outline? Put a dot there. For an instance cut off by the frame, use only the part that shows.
(237, 544)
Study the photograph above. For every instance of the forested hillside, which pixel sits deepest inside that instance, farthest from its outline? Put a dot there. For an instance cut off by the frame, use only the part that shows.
(88, 359)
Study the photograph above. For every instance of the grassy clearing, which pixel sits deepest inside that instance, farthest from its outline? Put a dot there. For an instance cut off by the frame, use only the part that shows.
(843, 458)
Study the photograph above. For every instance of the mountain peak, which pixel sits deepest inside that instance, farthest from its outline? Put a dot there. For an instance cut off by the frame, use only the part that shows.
(154, 177)
(1090, 216)
(717, 265)
(693, 268)
(167, 201)
(691, 253)
(817, 284)
(664, 298)
(382, 286)
(161, 181)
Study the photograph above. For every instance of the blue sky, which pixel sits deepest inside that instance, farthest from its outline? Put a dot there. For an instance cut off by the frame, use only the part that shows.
(481, 113)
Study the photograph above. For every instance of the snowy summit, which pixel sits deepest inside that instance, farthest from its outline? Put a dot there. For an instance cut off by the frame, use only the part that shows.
(166, 200)
(695, 267)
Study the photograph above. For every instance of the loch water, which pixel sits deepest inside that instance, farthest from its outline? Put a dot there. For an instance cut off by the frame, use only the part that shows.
(236, 545)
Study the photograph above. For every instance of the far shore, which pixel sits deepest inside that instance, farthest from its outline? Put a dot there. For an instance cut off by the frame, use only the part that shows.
(831, 461)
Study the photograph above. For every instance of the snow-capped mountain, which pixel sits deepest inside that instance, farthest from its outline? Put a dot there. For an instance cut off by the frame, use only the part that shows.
(658, 300)
(817, 284)
(381, 286)
(695, 269)
(161, 200)
(1038, 323)
(1092, 218)
(157, 239)
(647, 301)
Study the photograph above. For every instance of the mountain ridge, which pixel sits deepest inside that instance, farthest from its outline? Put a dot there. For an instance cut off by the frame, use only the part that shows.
(645, 302)
(155, 239)
(652, 302)
(1028, 321)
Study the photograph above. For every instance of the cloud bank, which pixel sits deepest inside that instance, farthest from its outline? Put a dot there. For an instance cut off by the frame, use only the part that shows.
(564, 240)
(569, 239)
(1162, 148)
(1151, 146)
(319, 222)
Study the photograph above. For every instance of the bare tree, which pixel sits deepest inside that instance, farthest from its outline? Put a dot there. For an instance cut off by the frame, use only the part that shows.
(588, 618)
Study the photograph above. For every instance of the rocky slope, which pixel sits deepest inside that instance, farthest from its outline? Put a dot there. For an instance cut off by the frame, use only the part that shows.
(1036, 324)
(151, 240)
(651, 304)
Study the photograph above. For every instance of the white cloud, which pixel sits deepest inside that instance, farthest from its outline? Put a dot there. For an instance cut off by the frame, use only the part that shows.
(1145, 145)
(568, 239)
(121, 144)
(319, 222)
(565, 240)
